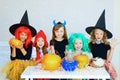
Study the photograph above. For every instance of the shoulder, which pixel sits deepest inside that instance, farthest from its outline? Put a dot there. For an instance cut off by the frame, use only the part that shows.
(52, 42)
(107, 46)
(90, 44)
(33, 48)
(30, 44)
(66, 41)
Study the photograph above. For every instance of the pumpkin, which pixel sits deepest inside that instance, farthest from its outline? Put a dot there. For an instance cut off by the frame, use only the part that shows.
(69, 65)
(99, 62)
(82, 59)
(51, 61)
(15, 42)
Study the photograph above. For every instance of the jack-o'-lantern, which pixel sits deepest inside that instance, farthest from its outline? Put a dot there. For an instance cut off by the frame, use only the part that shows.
(82, 59)
(51, 61)
(15, 42)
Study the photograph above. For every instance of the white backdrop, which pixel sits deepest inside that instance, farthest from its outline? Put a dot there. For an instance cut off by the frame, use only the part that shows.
(78, 14)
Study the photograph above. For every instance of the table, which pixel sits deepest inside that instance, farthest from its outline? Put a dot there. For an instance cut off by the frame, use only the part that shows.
(88, 72)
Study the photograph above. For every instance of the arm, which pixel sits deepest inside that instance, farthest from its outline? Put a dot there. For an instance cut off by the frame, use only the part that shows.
(22, 49)
(13, 51)
(109, 54)
(112, 46)
(52, 49)
(28, 51)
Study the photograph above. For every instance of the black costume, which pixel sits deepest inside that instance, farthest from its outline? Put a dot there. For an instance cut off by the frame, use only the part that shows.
(99, 50)
(59, 46)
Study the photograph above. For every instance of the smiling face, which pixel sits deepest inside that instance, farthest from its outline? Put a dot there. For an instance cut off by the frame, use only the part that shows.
(78, 44)
(23, 36)
(59, 33)
(98, 34)
(40, 42)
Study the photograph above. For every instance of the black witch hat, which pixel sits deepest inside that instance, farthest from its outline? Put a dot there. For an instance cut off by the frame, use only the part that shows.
(100, 25)
(24, 22)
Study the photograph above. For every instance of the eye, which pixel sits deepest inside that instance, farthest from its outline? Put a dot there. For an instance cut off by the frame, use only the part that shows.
(42, 40)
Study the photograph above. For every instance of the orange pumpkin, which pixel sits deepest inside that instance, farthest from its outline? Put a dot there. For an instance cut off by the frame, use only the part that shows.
(51, 61)
(15, 42)
(82, 59)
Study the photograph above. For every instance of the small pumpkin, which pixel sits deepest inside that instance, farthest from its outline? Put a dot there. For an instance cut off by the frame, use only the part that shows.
(82, 59)
(15, 42)
(69, 65)
(51, 61)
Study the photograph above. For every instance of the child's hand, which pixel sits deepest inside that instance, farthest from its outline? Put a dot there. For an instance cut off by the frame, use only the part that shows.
(76, 54)
(86, 53)
(113, 43)
(11, 45)
(20, 46)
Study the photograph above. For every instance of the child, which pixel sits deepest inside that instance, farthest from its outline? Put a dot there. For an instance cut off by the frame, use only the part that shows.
(78, 43)
(99, 45)
(59, 39)
(40, 46)
(22, 53)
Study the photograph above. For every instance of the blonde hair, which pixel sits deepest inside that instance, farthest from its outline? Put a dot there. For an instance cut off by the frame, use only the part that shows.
(55, 28)
(92, 38)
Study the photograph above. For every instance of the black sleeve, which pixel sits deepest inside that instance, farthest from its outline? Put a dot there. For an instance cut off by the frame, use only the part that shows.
(29, 52)
(51, 42)
(12, 58)
(90, 45)
(66, 42)
(108, 47)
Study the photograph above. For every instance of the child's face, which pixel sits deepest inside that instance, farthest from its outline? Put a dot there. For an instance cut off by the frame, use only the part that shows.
(78, 44)
(99, 34)
(59, 33)
(23, 36)
(40, 42)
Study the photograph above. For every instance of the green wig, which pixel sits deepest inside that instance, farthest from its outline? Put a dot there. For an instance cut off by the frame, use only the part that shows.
(71, 40)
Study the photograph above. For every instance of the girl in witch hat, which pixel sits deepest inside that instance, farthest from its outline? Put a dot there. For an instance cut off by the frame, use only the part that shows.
(99, 45)
(20, 54)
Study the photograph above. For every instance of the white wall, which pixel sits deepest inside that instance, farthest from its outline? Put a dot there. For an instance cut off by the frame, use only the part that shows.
(79, 14)
(116, 32)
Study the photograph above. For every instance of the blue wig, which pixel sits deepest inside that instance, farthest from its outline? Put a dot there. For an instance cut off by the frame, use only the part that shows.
(71, 40)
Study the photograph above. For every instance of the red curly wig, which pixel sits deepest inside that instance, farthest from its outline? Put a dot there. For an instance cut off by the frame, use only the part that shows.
(25, 30)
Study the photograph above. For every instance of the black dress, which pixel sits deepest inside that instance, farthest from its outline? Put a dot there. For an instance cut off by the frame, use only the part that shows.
(99, 50)
(19, 54)
(59, 46)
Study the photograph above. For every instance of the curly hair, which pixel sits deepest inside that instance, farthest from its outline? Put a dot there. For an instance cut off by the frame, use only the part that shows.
(25, 30)
(92, 37)
(80, 36)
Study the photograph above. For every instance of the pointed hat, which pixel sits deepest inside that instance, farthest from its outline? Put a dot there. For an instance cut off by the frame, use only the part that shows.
(24, 22)
(100, 25)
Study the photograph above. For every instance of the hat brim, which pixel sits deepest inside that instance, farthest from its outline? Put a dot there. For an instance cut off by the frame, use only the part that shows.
(89, 30)
(15, 26)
